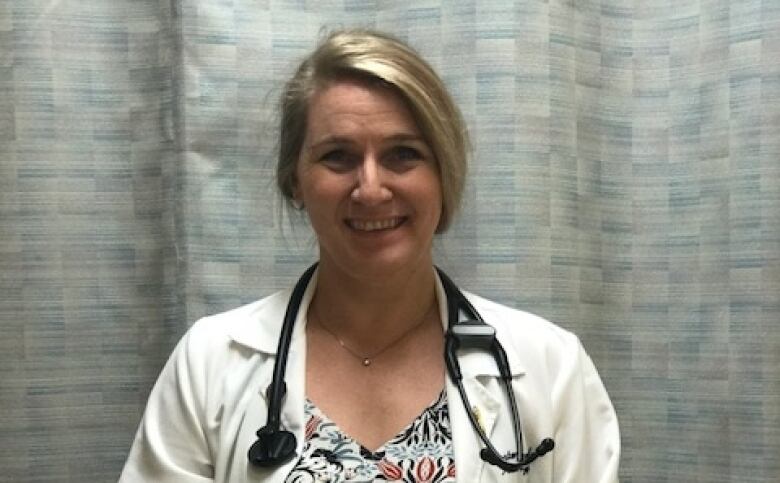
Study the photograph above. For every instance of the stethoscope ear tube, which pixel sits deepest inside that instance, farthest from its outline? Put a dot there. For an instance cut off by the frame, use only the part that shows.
(473, 333)
(275, 446)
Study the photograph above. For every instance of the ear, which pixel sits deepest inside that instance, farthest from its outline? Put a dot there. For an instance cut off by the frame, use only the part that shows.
(297, 198)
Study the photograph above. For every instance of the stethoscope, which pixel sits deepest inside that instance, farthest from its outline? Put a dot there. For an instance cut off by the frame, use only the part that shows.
(275, 446)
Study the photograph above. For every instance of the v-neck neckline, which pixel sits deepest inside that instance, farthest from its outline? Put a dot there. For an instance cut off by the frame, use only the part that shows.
(315, 411)
(421, 452)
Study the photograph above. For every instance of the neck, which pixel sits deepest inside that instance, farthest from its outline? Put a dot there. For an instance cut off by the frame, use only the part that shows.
(367, 309)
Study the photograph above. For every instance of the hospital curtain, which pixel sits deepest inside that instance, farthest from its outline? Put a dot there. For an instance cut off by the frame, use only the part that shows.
(625, 183)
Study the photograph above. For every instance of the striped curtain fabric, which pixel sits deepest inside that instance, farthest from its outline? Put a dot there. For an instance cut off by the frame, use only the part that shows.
(625, 183)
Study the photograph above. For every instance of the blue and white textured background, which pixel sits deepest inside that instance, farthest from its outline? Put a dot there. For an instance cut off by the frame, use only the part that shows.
(625, 184)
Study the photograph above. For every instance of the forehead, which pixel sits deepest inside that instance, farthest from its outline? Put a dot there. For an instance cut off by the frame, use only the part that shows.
(354, 107)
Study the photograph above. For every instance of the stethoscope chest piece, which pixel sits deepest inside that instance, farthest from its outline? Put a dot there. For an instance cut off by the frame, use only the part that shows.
(272, 448)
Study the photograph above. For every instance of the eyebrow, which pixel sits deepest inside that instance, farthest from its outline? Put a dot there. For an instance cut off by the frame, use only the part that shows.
(344, 140)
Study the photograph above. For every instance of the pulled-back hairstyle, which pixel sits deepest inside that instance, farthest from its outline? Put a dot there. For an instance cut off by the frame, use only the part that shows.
(375, 56)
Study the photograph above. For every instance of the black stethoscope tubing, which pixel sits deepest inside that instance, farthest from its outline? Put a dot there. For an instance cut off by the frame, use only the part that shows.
(275, 446)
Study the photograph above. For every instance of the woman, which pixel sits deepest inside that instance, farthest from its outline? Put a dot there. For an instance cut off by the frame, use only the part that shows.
(374, 150)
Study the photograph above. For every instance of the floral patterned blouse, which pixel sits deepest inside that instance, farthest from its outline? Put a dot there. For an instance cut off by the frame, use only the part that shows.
(420, 453)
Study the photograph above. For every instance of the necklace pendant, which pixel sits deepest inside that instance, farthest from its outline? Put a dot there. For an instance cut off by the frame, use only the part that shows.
(366, 362)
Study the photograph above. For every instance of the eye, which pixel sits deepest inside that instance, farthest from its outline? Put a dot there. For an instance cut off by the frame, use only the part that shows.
(406, 153)
(337, 160)
(404, 156)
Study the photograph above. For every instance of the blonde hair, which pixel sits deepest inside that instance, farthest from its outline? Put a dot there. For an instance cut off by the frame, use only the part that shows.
(375, 56)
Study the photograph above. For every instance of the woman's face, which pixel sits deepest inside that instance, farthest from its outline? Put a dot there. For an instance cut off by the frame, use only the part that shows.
(368, 181)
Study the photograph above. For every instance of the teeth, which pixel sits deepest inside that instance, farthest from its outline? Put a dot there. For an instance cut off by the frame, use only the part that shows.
(373, 225)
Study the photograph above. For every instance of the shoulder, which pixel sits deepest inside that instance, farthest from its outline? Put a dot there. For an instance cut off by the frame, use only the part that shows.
(534, 340)
(223, 347)
(514, 323)
(254, 325)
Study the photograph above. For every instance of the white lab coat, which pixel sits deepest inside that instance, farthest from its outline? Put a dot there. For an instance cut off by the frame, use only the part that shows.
(209, 400)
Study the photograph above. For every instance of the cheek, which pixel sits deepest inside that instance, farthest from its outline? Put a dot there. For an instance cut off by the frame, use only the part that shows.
(321, 199)
(319, 192)
(320, 218)
(434, 193)
(305, 183)
(429, 203)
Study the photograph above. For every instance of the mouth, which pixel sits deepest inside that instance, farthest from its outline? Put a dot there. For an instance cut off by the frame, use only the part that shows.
(375, 225)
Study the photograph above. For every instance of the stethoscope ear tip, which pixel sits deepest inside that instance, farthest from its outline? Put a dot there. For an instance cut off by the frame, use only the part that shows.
(545, 446)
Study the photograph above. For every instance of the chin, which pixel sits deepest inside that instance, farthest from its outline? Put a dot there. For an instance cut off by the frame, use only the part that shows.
(378, 266)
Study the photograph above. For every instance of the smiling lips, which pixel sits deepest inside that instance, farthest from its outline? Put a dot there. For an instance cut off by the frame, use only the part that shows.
(375, 225)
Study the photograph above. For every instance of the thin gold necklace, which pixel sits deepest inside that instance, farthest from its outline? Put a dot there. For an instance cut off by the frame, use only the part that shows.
(367, 359)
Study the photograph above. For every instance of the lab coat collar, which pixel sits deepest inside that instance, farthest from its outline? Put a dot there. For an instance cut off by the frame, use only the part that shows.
(268, 317)
(479, 363)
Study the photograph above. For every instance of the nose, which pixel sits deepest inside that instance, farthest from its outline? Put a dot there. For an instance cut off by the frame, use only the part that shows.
(371, 189)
